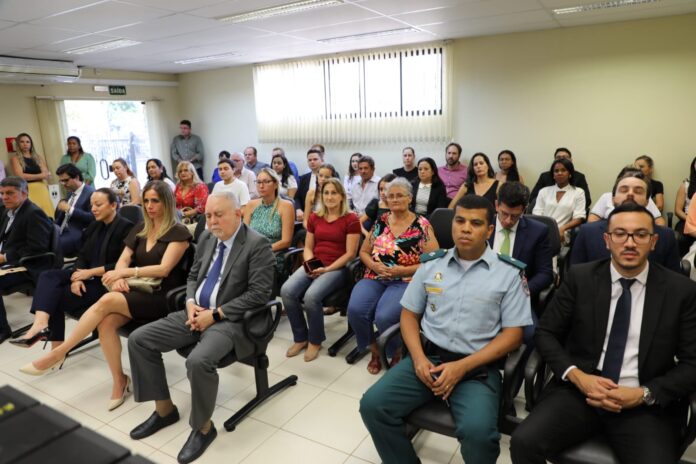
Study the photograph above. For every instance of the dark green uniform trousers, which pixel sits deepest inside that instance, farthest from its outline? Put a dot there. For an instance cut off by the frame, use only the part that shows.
(474, 405)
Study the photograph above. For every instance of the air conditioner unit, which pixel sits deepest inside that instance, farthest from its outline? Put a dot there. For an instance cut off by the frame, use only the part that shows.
(33, 70)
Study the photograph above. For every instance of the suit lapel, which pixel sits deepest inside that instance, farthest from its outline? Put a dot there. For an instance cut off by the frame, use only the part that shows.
(519, 238)
(654, 295)
(602, 281)
(236, 250)
(491, 240)
(206, 259)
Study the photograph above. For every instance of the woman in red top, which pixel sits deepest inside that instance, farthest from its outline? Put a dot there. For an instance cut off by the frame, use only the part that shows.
(190, 192)
(333, 234)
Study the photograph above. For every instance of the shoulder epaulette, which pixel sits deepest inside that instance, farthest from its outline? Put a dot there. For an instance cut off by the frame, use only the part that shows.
(512, 261)
(425, 257)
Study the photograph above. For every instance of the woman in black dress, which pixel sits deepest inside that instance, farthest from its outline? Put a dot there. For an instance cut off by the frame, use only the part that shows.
(154, 248)
(481, 180)
(76, 289)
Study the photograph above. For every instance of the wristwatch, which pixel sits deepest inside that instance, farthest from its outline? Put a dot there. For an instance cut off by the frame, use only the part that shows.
(648, 397)
(218, 318)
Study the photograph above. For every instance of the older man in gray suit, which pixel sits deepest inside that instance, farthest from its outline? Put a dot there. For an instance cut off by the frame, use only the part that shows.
(232, 273)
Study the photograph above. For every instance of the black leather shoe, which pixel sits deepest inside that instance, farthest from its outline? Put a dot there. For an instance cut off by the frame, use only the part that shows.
(154, 423)
(22, 342)
(5, 335)
(196, 444)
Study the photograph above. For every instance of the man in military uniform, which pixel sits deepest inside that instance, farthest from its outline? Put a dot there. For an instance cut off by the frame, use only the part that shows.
(471, 305)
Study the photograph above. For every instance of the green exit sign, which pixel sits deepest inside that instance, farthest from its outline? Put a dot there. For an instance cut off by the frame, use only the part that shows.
(117, 90)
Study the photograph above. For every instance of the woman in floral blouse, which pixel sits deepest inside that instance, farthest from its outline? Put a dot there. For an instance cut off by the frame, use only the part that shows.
(391, 255)
(190, 192)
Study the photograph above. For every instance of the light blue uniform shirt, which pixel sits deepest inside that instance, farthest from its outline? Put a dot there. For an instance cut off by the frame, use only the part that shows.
(464, 310)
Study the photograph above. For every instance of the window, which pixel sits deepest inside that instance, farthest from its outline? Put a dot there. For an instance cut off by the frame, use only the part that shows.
(110, 130)
(370, 97)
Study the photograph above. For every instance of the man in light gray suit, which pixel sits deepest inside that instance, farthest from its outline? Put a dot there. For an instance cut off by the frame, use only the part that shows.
(232, 273)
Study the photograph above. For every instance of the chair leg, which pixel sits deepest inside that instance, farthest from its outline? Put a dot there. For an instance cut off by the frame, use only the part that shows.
(338, 344)
(263, 391)
(355, 355)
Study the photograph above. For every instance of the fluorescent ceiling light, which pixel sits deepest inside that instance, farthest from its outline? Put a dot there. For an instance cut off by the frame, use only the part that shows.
(369, 35)
(286, 9)
(102, 47)
(600, 6)
(203, 59)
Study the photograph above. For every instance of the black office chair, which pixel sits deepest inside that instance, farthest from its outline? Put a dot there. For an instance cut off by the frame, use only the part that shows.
(555, 240)
(596, 450)
(134, 213)
(211, 186)
(441, 220)
(258, 360)
(52, 259)
(436, 417)
(200, 227)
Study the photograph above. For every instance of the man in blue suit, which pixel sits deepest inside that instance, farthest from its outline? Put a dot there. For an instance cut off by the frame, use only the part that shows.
(524, 239)
(589, 244)
(74, 213)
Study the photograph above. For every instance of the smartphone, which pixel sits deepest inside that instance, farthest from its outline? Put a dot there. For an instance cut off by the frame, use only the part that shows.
(312, 265)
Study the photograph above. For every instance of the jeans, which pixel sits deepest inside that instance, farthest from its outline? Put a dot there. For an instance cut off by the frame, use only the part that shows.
(375, 302)
(300, 291)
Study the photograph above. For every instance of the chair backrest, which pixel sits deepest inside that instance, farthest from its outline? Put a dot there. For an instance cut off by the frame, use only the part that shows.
(554, 234)
(441, 220)
(211, 186)
(686, 267)
(200, 227)
(133, 213)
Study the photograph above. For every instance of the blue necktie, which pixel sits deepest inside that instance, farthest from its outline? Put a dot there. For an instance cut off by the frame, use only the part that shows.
(613, 357)
(212, 278)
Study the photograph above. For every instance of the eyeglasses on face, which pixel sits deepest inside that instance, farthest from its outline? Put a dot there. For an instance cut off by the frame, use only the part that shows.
(620, 236)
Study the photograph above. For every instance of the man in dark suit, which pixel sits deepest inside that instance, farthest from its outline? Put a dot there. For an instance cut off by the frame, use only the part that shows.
(74, 213)
(620, 338)
(315, 158)
(546, 178)
(232, 273)
(630, 187)
(25, 230)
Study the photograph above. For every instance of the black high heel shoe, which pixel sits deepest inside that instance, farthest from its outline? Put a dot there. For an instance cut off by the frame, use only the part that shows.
(42, 335)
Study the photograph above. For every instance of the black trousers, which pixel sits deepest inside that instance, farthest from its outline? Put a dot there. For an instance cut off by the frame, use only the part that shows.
(53, 296)
(7, 281)
(562, 418)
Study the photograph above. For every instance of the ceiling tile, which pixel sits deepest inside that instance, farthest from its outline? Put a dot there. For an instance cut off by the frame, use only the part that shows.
(26, 10)
(176, 5)
(75, 42)
(499, 24)
(394, 7)
(346, 29)
(231, 7)
(30, 36)
(166, 27)
(596, 17)
(470, 11)
(102, 16)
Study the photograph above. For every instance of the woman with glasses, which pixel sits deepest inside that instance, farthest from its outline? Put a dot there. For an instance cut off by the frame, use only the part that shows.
(190, 192)
(270, 215)
(391, 255)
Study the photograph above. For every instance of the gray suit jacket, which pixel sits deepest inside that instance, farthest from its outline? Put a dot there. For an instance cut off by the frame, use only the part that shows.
(246, 283)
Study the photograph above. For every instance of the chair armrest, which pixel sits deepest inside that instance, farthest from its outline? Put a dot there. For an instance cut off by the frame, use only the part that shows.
(176, 298)
(384, 339)
(27, 259)
(259, 312)
(534, 377)
(513, 372)
(690, 430)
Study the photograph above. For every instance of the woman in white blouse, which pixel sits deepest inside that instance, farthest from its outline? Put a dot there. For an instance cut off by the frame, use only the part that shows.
(563, 201)
(352, 178)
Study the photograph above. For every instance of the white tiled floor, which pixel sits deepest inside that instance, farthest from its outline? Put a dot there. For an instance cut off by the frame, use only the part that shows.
(316, 421)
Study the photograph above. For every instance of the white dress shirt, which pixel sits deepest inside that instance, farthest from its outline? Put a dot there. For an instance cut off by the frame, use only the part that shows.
(249, 178)
(605, 205)
(362, 193)
(228, 246)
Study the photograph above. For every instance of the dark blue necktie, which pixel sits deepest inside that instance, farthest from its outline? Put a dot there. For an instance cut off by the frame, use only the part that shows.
(212, 278)
(613, 357)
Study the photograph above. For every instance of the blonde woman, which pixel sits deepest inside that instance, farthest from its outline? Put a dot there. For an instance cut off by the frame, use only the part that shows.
(190, 192)
(31, 166)
(270, 215)
(313, 200)
(126, 186)
(154, 248)
(332, 239)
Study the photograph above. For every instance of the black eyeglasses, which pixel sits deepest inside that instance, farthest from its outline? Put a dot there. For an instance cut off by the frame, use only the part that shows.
(640, 237)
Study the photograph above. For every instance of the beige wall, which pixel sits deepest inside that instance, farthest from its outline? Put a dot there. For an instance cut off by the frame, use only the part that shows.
(19, 110)
(608, 92)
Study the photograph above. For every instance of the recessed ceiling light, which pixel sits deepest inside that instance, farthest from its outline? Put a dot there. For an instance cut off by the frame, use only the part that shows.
(600, 6)
(286, 9)
(203, 59)
(102, 47)
(369, 35)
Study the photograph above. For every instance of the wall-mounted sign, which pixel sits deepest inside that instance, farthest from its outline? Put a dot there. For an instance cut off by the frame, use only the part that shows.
(117, 90)
(9, 142)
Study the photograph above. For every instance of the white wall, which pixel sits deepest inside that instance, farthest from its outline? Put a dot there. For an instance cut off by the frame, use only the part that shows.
(609, 92)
